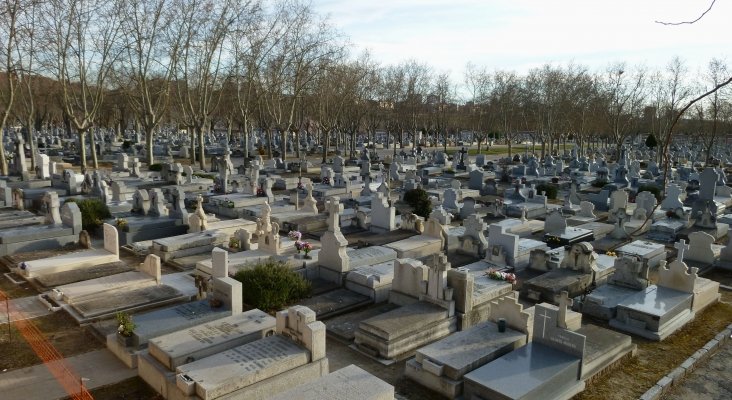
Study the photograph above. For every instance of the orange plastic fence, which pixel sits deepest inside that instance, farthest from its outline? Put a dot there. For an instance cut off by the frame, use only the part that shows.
(53, 360)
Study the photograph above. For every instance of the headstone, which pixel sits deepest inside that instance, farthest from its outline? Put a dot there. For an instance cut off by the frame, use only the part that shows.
(141, 202)
(333, 255)
(111, 239)
(672, 200)
(158, 206)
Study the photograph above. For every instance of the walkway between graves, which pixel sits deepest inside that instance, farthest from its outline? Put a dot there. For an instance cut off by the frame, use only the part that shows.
(711, 380)
(96, 368)
(23, 308)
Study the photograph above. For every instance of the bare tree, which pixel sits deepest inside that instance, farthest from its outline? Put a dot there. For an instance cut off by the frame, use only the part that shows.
(150, 48)
(204, 26)
(505, 96)
(82, 38)
(25, 111)
(623, 93)
(10, 16)
(716, 73)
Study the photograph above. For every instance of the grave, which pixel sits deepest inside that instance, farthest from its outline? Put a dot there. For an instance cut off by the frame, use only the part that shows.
(557, 233)
(189, 244)
(578, 272)
(507, 250)
(63, 228)
(442, 365)
(80, 259)
(102, 297)
(372, 272)
(657, 311)
(549, 367)
(294, 355)
(650, 253)
(349, 382)
(167, 352)
(432, 241)
(630, 277)
(395, 334)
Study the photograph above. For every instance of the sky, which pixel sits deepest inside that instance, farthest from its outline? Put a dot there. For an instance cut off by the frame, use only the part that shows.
(520, 35)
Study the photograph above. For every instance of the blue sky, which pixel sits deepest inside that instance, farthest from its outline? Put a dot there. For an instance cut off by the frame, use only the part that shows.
(521, 34)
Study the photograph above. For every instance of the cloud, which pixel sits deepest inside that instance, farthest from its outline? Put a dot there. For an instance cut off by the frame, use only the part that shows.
(517, 34)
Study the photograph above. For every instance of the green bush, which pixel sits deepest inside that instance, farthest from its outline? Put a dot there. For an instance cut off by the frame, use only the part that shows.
(651, 188)
(413, 196)
(549, 190)
(419, 201)
(599, 183)
(651, 141)
(155, 167)
(272, 285)
(93, 212)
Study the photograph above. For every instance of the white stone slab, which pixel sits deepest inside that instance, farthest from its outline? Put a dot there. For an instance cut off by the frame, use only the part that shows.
(243, 366)
(195, 343)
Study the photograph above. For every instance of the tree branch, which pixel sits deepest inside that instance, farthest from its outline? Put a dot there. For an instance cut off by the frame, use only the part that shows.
(689, 22)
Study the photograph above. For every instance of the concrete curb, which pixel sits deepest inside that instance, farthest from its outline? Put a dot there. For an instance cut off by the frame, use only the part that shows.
(674, 377)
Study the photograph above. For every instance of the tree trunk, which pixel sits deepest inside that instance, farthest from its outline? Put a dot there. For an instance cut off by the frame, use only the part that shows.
(353, 144)
(297, 144)
(201, 149)
(192, 133)
(93, 142)
(244, 138)
(3, 159)
(149, 146)
(283, 139)
(32, 143)
(82, 150)
(269, 143)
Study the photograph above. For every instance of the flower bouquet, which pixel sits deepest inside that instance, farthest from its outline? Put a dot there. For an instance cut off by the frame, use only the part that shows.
(501, 276)
(306, 247)
(260, 192)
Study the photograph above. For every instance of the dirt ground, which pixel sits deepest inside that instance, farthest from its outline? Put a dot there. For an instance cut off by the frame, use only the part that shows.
(60, 329)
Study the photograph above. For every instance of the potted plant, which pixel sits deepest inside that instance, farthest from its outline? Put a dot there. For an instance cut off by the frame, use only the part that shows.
(125, 328)
(234, 243)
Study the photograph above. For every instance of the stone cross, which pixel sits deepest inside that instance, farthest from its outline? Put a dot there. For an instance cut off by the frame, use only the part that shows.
(545, 316)
(334, 209)
(681, 246)
(564, 302)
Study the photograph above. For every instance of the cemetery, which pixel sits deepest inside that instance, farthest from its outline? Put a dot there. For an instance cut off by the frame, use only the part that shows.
(264, 219)
(464, 301)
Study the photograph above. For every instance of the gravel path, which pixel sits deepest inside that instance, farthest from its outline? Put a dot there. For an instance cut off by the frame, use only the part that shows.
(711, 380)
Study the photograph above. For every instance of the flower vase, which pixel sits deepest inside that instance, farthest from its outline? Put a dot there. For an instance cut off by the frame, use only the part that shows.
(308, 257)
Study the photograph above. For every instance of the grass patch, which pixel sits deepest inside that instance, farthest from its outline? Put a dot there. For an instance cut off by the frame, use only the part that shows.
(655, 359)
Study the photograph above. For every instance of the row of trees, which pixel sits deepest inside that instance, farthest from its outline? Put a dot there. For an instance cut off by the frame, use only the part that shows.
(279, 68)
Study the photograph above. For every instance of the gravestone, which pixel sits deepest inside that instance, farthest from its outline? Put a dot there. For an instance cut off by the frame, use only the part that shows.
(672, 200)
(141, 202)
(158, 206)
(333, 256)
